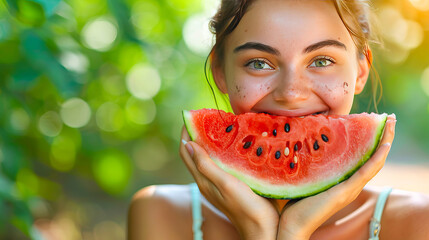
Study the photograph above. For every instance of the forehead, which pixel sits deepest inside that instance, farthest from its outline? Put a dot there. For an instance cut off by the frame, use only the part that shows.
(289, 24)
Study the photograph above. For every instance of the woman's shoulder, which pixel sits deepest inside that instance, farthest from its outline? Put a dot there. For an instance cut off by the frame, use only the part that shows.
(406, 214)
(154, 207)
(166, 195)
(165, 212)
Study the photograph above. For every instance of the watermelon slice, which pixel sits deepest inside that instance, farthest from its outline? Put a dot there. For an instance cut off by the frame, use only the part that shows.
(286, 157)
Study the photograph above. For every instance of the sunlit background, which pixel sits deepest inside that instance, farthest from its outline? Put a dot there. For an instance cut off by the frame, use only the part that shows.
(91, 94)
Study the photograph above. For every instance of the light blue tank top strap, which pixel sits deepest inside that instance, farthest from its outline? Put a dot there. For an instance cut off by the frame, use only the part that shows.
(375, 226)
(197, 216)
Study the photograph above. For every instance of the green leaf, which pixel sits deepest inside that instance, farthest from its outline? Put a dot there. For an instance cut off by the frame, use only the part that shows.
(12, 161)
(28, 12)
(40, 57)
(6, 189)
(23, 77)
(9, 55)
(22, 218)
(48, 6)
(122, 14)
(12, 6)
(5, 212)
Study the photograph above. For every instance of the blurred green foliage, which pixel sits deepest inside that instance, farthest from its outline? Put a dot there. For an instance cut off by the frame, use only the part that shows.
(91, 94)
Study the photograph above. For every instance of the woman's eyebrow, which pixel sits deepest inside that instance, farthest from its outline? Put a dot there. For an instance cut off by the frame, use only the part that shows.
(257, 46)
(324, 43)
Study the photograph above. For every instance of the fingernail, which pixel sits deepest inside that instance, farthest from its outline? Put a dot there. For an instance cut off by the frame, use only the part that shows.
(190, 149)
(184, 142)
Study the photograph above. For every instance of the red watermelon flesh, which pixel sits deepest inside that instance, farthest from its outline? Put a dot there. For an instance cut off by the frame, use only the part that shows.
(286, 157)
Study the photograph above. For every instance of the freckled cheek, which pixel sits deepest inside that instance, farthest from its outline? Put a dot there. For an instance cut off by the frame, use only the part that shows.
(244, 94)
(336, 93)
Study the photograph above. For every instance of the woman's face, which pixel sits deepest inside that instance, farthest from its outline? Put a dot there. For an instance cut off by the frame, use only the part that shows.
(291, 58)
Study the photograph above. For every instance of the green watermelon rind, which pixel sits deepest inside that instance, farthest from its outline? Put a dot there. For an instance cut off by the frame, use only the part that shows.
(187, 116)
(290, 192)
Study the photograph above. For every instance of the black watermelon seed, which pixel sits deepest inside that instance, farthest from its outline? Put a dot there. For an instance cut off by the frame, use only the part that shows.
(287, 127)
(316, 145)
(229, 128)
(292, 165)
(275, 132)
(247, 145)
(278, 154)
(325, 138)
(259, 151)
(295, 147)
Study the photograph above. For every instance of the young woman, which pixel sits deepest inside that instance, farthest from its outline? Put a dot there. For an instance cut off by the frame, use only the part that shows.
(291, 58)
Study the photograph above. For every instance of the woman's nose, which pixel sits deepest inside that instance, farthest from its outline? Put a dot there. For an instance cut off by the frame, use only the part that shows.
(291, 87)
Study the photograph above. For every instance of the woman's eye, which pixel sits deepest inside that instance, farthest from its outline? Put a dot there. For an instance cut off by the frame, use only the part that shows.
(259, 65)
(321, 62)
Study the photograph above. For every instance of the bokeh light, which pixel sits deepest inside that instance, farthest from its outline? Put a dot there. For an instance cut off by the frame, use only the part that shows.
(143, 81)
(27, 182)
(63, 153)
(108, 230)
(74, 61)
(75, 113)
(401, 35)
(395, 55)
(413, 37)
(114, 85)
(145, 16)
(422, 5)
(128, 56)
(150, 154)
(173, 69)
(67, 43)
(50, 124)
(140, 111)
(425, 81)
(19, 120)
(112, 171)
(393, 24)
(99, 34)
(196, 34)
(188, 6)
(61, 226)
(109, 117)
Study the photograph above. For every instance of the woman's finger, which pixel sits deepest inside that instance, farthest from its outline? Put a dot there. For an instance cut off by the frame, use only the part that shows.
(389, 130)
(207, 188)
(187, 159)
(202, 181)
(194, 156)
(204, 167)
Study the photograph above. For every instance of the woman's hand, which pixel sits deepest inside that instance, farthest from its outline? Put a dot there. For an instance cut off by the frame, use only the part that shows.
(253, 216)
(300, 219)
